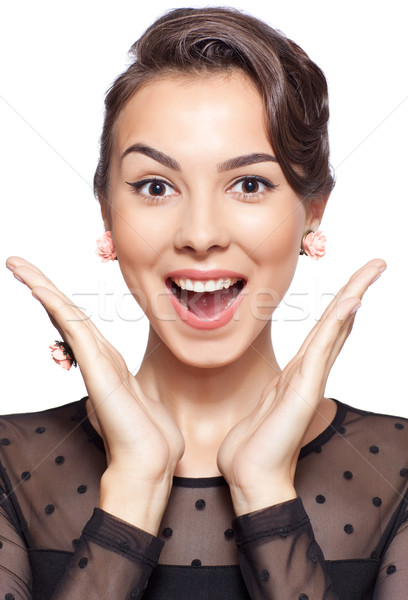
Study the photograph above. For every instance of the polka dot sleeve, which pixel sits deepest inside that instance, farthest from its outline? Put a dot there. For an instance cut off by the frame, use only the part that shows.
(113, 559)
(392, 579)
(279, 556)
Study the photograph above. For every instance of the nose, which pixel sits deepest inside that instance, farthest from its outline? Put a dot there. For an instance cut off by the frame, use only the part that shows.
(203, 226)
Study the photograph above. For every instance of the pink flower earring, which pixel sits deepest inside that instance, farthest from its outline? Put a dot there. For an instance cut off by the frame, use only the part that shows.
(313, 244)
(62, 354)
(105, 247)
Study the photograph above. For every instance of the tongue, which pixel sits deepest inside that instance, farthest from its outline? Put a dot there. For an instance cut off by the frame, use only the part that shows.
(207, 305)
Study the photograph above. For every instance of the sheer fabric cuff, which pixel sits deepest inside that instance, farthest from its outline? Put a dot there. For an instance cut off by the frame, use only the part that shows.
(278, 520)
(118, 536)
(279, 556)
(113, 559)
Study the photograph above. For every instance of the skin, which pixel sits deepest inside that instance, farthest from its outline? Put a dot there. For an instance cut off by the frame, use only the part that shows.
(203, 402)
(202, 222)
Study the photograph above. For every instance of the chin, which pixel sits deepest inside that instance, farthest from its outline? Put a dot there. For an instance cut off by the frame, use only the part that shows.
(218, 350)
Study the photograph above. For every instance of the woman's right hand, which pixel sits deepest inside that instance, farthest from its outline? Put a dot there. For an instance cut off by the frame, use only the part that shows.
(142, 441)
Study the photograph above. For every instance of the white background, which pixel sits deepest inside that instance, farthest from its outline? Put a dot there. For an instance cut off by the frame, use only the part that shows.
(57, 62)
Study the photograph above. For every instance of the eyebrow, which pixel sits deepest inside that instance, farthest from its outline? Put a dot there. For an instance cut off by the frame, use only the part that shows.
(156, 155)
(233, 163)
(245, 160)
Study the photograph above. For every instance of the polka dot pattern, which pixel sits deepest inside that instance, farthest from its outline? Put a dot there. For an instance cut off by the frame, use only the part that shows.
(82, 563)
(335, 482)
(167, 532)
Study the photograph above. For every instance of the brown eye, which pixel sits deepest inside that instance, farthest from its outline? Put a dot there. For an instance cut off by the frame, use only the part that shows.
(153, 188)
(157, 188)
(250, 186)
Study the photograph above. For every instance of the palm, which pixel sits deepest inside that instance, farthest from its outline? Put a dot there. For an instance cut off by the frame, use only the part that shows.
(262, 449)
(138, 432)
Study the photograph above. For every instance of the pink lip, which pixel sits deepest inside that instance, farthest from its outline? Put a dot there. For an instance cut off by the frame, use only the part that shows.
(189, 317)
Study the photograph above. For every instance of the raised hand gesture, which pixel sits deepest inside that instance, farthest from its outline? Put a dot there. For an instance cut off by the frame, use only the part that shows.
(259, 455)
(142, 441)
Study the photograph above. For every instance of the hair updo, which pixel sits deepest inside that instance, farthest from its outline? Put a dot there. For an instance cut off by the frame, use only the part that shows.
(191, 41)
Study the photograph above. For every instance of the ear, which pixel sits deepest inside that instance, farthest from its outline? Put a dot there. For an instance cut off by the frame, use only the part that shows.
(315, 211)
(105, 211)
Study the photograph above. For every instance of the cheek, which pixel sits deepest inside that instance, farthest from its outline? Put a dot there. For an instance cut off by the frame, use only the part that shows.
(138, 246)
(275, 254)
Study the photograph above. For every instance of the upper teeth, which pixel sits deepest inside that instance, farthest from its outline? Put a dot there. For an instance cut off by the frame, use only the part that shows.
(209, 285)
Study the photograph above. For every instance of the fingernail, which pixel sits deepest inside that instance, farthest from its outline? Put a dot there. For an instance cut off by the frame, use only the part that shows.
(355, 309)
(11, 267)
(19, 278)
(375, 279)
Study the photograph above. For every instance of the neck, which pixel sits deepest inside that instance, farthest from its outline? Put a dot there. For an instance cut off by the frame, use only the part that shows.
(228, 392)
(207, 402)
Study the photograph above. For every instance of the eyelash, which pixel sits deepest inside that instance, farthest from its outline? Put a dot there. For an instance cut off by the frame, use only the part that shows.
(244, 196)
(138, 185)
(254, 196)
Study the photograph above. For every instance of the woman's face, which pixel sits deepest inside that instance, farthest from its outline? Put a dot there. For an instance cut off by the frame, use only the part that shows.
(198, 202)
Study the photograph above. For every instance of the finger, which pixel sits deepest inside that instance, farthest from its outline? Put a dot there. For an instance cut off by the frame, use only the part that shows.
(35, 279)
(357, 285)
(75, 331)
(327, 342)
(14, 261)
(339, 343)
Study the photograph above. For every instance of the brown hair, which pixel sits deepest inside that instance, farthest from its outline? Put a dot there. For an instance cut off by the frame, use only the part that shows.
(294, 90)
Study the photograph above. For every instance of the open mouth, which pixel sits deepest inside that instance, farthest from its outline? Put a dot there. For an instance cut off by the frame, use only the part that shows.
(206, 299)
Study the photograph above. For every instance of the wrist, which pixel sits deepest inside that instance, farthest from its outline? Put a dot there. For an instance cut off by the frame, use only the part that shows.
(137, 502)
(250, 499)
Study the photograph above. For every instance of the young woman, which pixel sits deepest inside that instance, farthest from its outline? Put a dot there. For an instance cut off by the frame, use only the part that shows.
(211, 472)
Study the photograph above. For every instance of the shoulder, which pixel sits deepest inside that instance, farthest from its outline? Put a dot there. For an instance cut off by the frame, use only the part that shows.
(21, 426)
(374, 445)
(33, 441)
(390, 428)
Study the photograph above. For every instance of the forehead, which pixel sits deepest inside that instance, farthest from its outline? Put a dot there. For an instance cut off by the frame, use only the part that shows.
(173, 107)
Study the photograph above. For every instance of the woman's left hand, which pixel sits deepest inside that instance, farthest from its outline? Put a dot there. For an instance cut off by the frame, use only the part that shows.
(259, 455)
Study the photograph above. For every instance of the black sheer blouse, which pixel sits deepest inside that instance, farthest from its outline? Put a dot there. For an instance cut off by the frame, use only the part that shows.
(344, 537)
